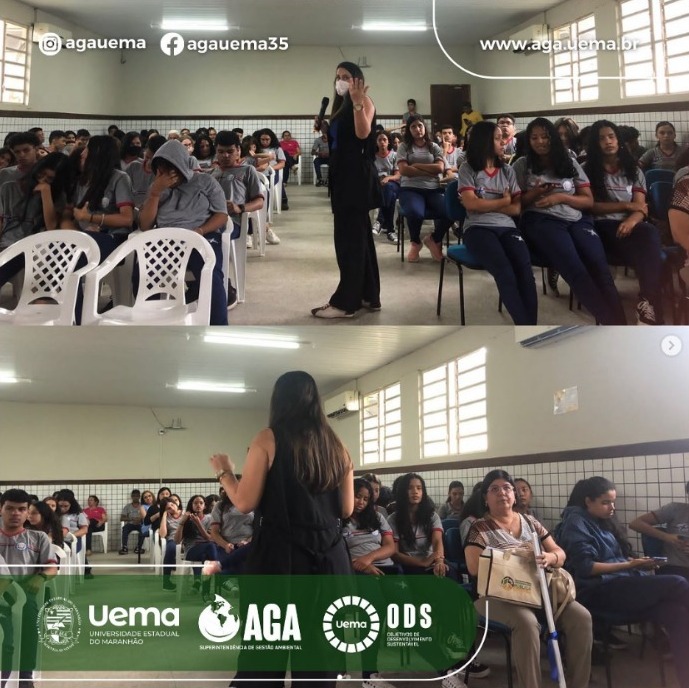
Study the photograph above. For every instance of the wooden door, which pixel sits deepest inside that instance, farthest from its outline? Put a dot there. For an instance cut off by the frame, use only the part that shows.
(446, 104)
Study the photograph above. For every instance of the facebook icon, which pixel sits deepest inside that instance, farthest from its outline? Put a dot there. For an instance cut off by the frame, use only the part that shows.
(172, 44)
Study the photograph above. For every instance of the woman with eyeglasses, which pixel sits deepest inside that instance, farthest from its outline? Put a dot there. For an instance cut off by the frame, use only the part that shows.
(503, 527)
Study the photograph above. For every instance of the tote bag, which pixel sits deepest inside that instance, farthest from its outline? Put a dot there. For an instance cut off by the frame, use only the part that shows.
(509, 575)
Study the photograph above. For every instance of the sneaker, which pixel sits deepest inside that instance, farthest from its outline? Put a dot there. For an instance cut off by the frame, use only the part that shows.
(370, 306)
(413, 255)
(376, 227)
(552, 278)
(231, 297)
(319, 182)
(375, 681)
(250, 241)
(453, 681)
(169, 585)
(328, 311)
(645, 313)
(272, 237)
(138, 550)
(124, 550)
(392, 236)
(477, 670)
(435, 248)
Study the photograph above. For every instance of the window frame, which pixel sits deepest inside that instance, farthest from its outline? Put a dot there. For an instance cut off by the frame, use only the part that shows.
(8, 26)
(388, 431)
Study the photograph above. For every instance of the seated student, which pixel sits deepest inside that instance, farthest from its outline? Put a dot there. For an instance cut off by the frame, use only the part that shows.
(453, 505)
(39, 133)
(630, 138)
(193, 535)
(204, 152)
(240, 183)
(131, 522)
(6, 158)
(211, 500)
(674, 535)
(29, 205)
(609, 578)
(154, 512)
(141, 173)
(41, 517)
(321, 150)
(474, 508)
(386, 165)
(180, 198)
(269, 145)
(395, 139)
(130, 148)
(490, 193)
(83, 137)
(99, 201)
(509, 131)
(569, 133)
(454, 157)
(421, 162)
(555, 192)
(524, 497)
(71, 139)
(469, 118)
(75, 523)
(26, 556)
(411, 110)
(173, 134)
(620, 211)
(212, 133)
(291, 149)
(97, 516)
(24, 147)
(678, 214)
(232, 532)
(663, 156)
(57, 141)
(170, 521)
(147, 501)
(377, 488)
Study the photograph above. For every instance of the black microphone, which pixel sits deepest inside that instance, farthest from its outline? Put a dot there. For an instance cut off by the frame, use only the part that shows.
(324, 105)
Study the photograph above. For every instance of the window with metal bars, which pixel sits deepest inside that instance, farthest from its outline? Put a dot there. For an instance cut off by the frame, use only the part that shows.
(14, 49)
(453, 407)
(381, 426)
(659, 64)
(575, 72)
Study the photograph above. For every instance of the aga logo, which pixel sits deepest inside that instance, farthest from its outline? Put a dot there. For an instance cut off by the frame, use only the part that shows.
(217, 622)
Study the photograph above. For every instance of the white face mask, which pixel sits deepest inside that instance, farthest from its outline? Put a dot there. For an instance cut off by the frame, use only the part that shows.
(341, 87)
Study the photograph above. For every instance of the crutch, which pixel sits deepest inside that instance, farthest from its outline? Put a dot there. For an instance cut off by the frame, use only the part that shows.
(556, 672)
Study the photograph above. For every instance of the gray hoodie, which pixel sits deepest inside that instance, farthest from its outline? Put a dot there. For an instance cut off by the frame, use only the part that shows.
(190, 204)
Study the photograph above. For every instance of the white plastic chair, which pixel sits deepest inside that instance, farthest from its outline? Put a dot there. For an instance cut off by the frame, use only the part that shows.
(50, 272)
(103, 535)
(15, 608)
(183, 567)
(60, 584)
(162, 255)
(276, 191)
(297, 167)
(234, 251)
(157, 549)
(324, 172)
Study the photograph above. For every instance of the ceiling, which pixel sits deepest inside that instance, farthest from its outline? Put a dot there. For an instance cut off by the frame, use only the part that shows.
(303, 22)
(132, 366)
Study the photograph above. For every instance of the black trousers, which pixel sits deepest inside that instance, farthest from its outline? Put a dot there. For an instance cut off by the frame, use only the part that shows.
(356, 258)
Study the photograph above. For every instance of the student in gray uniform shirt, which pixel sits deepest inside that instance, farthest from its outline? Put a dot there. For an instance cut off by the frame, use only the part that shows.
(180, 198)
(141, 173)
(26, 554)
(24, 147)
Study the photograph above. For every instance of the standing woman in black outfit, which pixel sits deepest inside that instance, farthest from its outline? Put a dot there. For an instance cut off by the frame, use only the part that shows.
(354, 190)
(299, 477)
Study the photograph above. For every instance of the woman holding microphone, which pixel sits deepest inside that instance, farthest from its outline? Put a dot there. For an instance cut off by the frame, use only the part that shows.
(354, 190)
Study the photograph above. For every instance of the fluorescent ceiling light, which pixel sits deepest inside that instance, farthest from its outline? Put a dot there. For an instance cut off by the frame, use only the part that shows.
(7, 379)
(391, 26)
(199, 386)
(268, 341)
(194, 25)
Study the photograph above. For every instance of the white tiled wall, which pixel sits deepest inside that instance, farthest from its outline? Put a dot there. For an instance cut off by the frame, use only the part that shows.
(643, 483)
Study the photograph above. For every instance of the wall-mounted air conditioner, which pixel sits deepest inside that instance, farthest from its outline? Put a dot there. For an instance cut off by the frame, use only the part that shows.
(342, 404)
(40, 29)
(540, 335)
(536, 33)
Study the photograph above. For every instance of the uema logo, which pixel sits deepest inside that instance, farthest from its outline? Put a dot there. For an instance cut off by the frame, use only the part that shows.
(351, 612)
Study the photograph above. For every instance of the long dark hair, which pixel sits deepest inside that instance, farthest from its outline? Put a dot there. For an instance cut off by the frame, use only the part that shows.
(51, 525)
(56, 162)
(572, 132)
(481, 147)
(197, 147)
(102, 160)
(190, 529)
(343, 104)
(274, 143)
(594, 166)
(474, 506)
(592, 488)
(403, 517)
(368, 518)
(127, 142)
(559, 160)
(409, 139)
(296, 413)
(68, 496)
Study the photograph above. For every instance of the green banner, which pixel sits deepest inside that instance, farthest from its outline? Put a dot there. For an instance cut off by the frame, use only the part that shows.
(128, 622)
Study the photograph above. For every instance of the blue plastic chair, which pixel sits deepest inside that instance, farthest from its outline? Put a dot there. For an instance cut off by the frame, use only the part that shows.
(656, 175)
(659, 197)
(458, 254)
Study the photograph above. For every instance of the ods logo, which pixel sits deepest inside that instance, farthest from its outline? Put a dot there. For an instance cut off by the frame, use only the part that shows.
(334, 618)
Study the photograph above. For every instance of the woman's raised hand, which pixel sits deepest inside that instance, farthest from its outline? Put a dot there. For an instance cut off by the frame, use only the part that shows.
(221, 462)
(357, 91)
